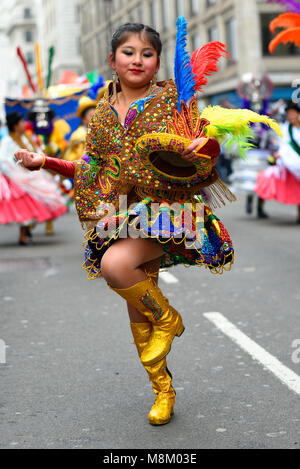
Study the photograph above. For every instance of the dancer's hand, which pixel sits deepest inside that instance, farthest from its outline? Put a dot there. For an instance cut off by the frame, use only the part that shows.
(189, 153)
(29, 160)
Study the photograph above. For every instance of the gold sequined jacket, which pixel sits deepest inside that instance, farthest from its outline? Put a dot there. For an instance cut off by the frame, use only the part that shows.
(110, 152)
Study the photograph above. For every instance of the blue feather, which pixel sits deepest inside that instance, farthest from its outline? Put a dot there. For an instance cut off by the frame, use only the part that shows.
(93, 91)
(184, 76)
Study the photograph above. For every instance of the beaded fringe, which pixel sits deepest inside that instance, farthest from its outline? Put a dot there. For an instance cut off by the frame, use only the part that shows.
(215, 196)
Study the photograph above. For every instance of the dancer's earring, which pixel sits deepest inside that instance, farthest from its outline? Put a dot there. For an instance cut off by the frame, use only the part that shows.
(153, 83)
(115, 81)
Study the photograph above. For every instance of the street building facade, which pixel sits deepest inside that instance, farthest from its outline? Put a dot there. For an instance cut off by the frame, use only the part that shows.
(18, 27)
(59, 27)
(243, 26)
(4, 59)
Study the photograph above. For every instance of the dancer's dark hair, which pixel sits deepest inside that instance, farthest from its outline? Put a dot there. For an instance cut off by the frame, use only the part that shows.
(291, 106)
(124, 31)
(12, 119)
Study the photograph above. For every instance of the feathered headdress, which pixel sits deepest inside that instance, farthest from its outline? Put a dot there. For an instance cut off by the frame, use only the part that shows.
(184, 77)
(162, 150)
(233, 126)
(191, 72)
(191, 75)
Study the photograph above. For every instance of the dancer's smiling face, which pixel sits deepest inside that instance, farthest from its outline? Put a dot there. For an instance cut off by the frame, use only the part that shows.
(136, 61)
(293, 117)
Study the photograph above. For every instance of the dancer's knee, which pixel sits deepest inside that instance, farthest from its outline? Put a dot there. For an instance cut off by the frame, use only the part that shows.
(114, 269)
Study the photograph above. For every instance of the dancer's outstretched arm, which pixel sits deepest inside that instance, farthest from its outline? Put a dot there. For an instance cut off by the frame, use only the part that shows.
(35, 161)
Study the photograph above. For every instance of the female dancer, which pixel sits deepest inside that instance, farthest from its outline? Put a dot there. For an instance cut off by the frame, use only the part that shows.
(118, 163)
(25, 197)
(282, 181)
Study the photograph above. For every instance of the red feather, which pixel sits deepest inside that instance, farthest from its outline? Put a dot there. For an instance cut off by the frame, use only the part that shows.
(205, 61)
(290, 35)
(286, 20)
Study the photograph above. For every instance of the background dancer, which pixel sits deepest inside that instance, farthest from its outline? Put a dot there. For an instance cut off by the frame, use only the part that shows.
(25, 197)
(255, 94)
(282, 181)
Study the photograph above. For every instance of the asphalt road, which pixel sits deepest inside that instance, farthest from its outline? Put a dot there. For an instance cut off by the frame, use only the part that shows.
(72, 378)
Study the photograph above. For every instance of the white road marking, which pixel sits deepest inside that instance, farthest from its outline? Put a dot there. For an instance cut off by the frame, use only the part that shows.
(258, 353)
(168, 278)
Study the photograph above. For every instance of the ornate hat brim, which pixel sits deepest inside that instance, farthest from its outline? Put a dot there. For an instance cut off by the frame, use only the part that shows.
(167, 149)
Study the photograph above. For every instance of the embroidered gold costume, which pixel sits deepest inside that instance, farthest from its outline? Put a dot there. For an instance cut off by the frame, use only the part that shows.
(116, 165)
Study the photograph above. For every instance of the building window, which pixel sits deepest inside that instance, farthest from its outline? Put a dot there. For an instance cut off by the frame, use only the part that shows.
(282, 50)
(87, 17)
(132, 15)
(196, 41)
(140, 14)
(77, 13)
(153, 16)
(88, 56)
(232, 39)
(169, 61)
(166, 5)
(213, 33)
(179, 7)
(28, 36)
(27, 13)
(99, 12)
(210, 3)
(29, 58)
(194, 7)
(101, 46)
(78, 45)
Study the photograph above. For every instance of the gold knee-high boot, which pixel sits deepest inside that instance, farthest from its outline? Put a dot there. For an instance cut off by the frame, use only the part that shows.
(148, 299)
(160, 377)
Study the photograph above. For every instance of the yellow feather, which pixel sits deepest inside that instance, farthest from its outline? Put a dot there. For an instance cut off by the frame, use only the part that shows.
(234, 121)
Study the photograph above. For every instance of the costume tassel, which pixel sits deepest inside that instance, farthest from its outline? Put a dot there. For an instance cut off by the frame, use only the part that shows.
(215, 195)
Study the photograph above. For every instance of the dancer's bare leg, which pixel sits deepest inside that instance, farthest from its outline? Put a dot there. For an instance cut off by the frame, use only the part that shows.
(126, 264)
(122, 265)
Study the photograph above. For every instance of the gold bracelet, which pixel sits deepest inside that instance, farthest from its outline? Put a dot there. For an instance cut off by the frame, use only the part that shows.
(44, 162)
(42, 165)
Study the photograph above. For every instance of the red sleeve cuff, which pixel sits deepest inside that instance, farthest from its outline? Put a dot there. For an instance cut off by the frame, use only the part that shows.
(62, 167)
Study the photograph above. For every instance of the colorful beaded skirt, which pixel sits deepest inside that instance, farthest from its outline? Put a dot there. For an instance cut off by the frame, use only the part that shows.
(190, 234)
